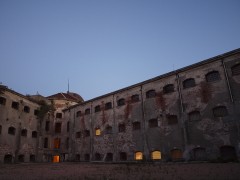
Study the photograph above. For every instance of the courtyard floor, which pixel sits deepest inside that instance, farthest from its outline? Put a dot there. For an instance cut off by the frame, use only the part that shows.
(94, 171)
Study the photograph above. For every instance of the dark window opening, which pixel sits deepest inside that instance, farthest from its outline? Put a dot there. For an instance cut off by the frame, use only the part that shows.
(87, 111)
(78, 134)
(172, 119)
(168, 88)
(0, 129)
(228, 153)
(136, 126)
(220, 111)
(67, 142)
(236, 70)
(109, 157)
(59, 115)
(153, 123)
(199, 154)
(58, 127)
(57, 142)
(121, 102)
(151, 94)
(135, 98)
(45, 145)
(32, 158)
(188, 83)
(98, 157)
(108, 105)
(86, 157)
(86, 133)
(34, 134)
(121, 128)
(8, 159)
(26, 109)
(194, 116)
(78, 114)
(176, 155)
(108, 130)
(11, 130)
(77, 158)
(2, 101)
(15, 105)
(97, 108)
(24, 132)
(21, 158)
(47, 126)
(36, 112)
(212, 76)
(68, 126)
(123, 156)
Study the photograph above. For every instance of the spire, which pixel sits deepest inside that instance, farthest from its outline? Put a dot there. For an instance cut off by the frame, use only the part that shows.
(68, 86)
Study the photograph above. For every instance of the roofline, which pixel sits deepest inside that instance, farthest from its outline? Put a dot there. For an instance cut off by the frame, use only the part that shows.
(203, 62)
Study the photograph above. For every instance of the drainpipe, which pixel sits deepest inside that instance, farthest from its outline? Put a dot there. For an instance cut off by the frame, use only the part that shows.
(145, 141)
(114, 132)
(228, 84)
(182, 112)
(18, 142)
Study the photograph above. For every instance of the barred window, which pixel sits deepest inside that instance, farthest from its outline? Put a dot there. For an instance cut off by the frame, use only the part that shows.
(135, 98)
(153, 123)
(151, 94)
(2, 101)
(78, 114)
(121, 102)
(236, 69)
(108, 105)
(87, 111)
(136, 125)
(97, 108)
(121, 128)
(168, 88)
(212, 76)
(188, 83)
(172, 119)
(24, 132)
(15, 105)
(220, 111)
(194, 116)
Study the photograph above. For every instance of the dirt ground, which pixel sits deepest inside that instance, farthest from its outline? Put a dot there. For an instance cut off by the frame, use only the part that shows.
(92, 171)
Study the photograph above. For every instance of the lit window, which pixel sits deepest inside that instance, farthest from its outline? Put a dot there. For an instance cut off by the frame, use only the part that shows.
(57, 143)
(56, 159)
(168, 88)
(156, 155)
(2, 101)
(98, 132)
(236, 69)
(151, 94)
(121, 102)
(220, 111)
(212, 76)
(138, 156)
(188, 83)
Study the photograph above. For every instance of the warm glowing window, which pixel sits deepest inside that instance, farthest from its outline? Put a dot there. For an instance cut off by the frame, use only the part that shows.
(98, 132)
(56, 159)
(156, 155)
(56, 143)
(138, 156)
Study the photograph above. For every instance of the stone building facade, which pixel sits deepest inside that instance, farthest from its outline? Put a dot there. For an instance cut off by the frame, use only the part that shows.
(188, 114)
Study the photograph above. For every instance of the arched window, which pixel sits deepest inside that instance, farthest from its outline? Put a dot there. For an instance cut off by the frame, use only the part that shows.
(97, 108)
(153, 123)
(172, 119)
(87, 111)
(2, 101)
(194, 116)
(26, 109)
(121, 102)
(236, 69)
(220, 111)
(121, 127)
(15, 105)
(168, 88)
(108, 130)
(151, 93)
(11, 130)
(78, 114)
(212, 76)
(24, 132)
(138, 156)
(123, 156)
(86, 157)
(135, 98)
(136, 125)
(108, 105)
(188, 83)
(34, 134)
(156, 155)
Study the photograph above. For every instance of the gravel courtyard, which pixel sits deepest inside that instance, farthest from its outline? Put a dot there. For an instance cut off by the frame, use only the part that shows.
(93, 171)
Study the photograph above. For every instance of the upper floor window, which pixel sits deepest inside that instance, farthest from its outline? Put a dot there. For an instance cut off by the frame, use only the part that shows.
(45, 145)
(78, 134)
(212, 76)
(86, 133)
(151, 93)
(68, 126)
(235, 69)
(15, 105)
(220, 111)
(121, 128)
(108, 130)
(2, 100)
(78, 114)
(153, 123)
(59, 115)
(121, 102)
(168, 88)
(135, 98)
(26, 109)
(0, 129)
(172, 119)
(97, 108)
(11, 130)
(188, 83)
(194, 116)
(123, 156)
(34, 134)
(108, 105)
(36, 112)
(58, 127)
(24, 132)
(87, 111)
(47, 126)
(97, 131)
(136, 125)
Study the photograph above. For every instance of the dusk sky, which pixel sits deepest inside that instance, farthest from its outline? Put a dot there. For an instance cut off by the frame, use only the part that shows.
(105, 45)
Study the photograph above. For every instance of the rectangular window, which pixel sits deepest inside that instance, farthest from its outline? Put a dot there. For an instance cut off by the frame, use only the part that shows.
(2, 101)
(26, 109)
(15, 105)
(47, 126)
(108, 105)
(58, 127)
(59, 115)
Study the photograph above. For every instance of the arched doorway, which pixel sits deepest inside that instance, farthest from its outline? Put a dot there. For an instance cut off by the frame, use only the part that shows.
(228, 153)
(56, 159)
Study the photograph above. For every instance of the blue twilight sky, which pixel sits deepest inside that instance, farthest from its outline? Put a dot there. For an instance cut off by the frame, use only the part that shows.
(105, 45)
